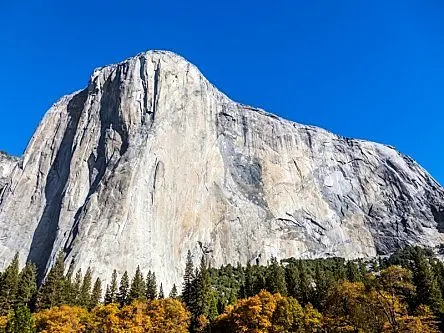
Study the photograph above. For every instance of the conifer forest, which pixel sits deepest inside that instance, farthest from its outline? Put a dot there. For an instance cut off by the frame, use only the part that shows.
(400, 293)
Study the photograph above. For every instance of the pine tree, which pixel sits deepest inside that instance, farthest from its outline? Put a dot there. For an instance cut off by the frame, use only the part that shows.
(201, 304)
(322, 285)
(27, 287)
(305, 286)
(151, 286)
(161, 294)
(239, 272)
(107, 299)
(362, 266)
(353, 274)
(74, 298)
(138, 286)
(52, 291)
(122, 297)
(187, 290)
(113, 288)
(427, 288)
(21, 321)
(85, 290)
(260, 282)
(438, 269)
(292, 280)
(173, 292)
(96, 294)
(70, 295)
(249, 281)
(212, 309)
(8, 286)
(276, 278)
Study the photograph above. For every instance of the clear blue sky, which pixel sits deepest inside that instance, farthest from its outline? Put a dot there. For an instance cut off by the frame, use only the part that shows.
(366, 69)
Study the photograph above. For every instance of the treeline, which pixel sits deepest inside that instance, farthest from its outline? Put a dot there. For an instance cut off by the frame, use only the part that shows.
(401, 293)
(20, 288)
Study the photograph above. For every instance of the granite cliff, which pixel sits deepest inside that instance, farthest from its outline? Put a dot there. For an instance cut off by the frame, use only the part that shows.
(151, 160)
(7, 165)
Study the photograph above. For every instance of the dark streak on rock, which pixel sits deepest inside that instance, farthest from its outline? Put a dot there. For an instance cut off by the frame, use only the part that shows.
(156, 92)
(56, 182)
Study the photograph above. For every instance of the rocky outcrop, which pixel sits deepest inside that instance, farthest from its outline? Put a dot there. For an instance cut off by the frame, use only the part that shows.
(151, 160)
(7, 165)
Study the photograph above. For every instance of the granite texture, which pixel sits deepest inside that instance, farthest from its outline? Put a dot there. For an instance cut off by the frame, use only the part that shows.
(150, 160)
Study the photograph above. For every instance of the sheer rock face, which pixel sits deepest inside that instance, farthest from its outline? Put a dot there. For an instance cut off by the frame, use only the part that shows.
(7, 165)
(151, 160)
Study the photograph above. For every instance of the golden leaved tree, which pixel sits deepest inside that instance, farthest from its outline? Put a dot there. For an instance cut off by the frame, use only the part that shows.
(168, 315)
(163, 315)
(378, 306)
(267, 313)
(63, 319)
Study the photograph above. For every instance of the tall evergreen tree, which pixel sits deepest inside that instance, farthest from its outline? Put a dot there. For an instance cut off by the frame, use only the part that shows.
(9, 285)
(85, 290)
(362, 266)
(240, 277)
(21, 321)
(96, 294)
(52, 291)
(70, 295)
(122, 297)
(260, 282)
(292, 280)
(339, 269)
(323, 283)
(107, 299)
(138, 286)
(353, 274)
(173, 292)
(212, 307)
(113, 288)
(188, 278)
(276, 278)
(151, 286)
(427, 288)
(201, 304)
(161, 294)
(438, 268)
(249, 281)
(27, 287)
(74, 298)
(305, 285)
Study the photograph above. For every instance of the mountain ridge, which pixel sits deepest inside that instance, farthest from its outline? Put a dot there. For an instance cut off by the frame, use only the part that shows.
(151, 160)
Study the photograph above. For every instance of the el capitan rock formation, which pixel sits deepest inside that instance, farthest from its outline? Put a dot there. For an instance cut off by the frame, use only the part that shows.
(150, 160)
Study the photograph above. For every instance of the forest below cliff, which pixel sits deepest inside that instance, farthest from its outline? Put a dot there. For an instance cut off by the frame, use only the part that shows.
(400, 293)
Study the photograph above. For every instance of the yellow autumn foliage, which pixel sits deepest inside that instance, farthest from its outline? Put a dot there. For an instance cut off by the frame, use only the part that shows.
(352, 307)
(63, 319)
(168, 315)
(3, 322)
(267, 313)
(165, 315)
(131, 318)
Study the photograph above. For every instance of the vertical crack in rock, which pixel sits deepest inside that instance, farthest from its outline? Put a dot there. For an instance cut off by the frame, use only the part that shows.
(244, 129)
(238, 181)
(56, 180)
(111, 120)
(145, 88)
(158, 173)
(156, 90)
